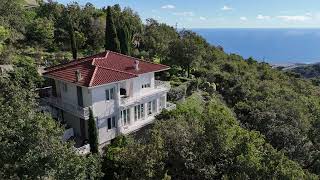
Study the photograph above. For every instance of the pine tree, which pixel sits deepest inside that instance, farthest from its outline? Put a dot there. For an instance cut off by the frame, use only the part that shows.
(111, 42)
(124, 38)
(93, 133)
(72, 38)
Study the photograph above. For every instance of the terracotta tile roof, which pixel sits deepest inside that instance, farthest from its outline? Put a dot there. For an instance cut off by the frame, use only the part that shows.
(103, 68)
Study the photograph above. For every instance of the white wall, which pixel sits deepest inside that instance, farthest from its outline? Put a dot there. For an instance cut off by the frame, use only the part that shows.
(70, 96)
(139, 81)
(103, 109)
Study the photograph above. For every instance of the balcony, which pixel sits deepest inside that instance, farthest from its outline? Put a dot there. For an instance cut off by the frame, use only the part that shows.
(159, 88)
(47, 98)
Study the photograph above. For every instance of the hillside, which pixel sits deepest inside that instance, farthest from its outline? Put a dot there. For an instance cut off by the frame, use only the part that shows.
(242, 119)
(308, 71)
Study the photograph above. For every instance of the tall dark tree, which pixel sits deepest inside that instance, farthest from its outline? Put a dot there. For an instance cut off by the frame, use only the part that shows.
(112, 42)
(93, 133)
(124, 38)
(72, 38)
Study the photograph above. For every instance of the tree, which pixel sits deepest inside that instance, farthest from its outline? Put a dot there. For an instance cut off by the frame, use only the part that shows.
(31, 141)
(124, 38)
(201, 143)
(111, 39)
(40, 32)
(93, 134)
(4, 35)
(187, 50)
(157, 37)
(72, 38)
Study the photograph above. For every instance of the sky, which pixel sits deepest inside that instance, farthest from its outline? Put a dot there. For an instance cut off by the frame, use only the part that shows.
(223, 13)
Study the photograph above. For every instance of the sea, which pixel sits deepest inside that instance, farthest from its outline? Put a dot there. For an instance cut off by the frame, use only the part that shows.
(275, 46)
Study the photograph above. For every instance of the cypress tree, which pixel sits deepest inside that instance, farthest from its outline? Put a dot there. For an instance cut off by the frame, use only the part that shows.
(72, 38)
(124, 38)
(111, 40)
(93, 133)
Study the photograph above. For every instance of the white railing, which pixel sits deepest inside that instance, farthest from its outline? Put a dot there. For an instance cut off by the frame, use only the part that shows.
(159, 87)
(83, 150)
(162, 84)
(71, 108)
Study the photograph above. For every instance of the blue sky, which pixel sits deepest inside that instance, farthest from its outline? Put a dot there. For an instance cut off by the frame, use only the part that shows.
(223, 13)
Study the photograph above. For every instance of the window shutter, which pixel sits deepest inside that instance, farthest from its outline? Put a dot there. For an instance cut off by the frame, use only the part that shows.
(107, 94)
(112, 93)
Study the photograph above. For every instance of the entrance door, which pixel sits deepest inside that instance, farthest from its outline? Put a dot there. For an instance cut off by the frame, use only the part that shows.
(80, 98)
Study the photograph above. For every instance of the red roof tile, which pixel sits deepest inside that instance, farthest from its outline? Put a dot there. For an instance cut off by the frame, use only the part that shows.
(103, 68)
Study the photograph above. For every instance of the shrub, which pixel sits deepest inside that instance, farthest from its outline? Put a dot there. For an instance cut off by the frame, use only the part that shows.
(177, 93)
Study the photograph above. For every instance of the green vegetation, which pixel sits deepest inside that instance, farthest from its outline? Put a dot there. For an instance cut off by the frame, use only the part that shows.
(112, 41)
(245, 120)
(200, 143)
(308, 71)
(30, 141)
(93, 133)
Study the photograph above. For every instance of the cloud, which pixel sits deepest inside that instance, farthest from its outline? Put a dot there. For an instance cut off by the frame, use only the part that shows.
(186, 13)
(168, 6)
(226, 8)
(202, 18)
(262, 17)
(308, 14)
(243, 18)
(295, 18)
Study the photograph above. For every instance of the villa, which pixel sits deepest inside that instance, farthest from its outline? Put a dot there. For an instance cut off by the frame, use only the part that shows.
(121, 91)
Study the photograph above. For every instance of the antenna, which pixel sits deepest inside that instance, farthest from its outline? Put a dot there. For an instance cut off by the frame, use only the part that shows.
(176, 26)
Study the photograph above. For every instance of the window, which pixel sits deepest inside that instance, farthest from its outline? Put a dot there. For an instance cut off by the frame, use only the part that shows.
(110, 94)
(142, 111)
(146, 85)
(111, 122)
(98, 121)
(65, 87)
(149, 108)
(125, 116)
(123, 92)
(139, 112)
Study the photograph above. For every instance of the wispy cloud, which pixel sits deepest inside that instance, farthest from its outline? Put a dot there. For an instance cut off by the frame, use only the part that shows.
(202, 18)
(295, 18)
(168, 6)
(186, 13)
(226, 8)
(262, 17)
(243, 18)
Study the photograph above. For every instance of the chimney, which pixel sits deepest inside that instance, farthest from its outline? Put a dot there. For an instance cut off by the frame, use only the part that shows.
(78, 75)
(136, 65)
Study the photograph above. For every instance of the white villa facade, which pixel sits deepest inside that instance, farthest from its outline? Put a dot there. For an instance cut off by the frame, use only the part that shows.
(121, 91)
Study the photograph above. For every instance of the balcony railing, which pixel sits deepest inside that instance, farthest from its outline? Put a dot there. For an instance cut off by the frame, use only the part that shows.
(162, 84)
(83, 150)
(71, 108)
(47, 97)
(159, 87)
